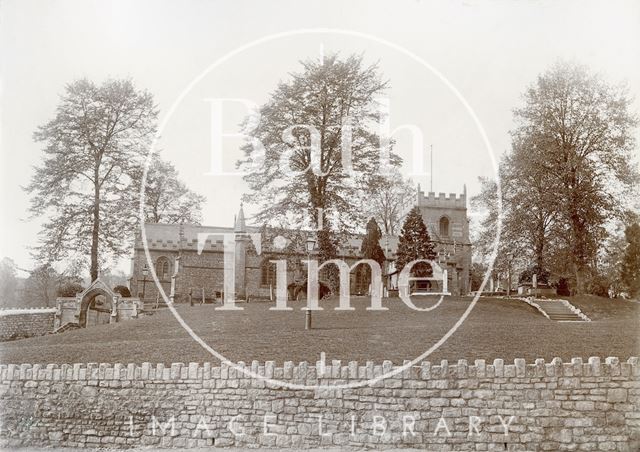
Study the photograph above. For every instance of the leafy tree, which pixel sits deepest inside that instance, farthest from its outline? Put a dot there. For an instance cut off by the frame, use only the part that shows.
(630, 268)
(610, 261)
(578, 131)
(168, 199)
(478, 271)
(70, 289)
(279, 242)
(325, 95)
(598, 285)
(93, 149)
(122, 290)
(43, 283)
(8, 281)
(414, 241)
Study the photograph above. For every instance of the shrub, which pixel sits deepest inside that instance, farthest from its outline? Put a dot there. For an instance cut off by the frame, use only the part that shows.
(563, 288)
(69, 289)
(297, 288)
(599, 285)
(122, 290)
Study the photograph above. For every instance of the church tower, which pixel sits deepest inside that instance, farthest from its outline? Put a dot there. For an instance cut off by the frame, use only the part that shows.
(448, 225)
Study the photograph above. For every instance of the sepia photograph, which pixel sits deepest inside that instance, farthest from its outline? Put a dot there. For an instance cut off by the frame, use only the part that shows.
(320, 225)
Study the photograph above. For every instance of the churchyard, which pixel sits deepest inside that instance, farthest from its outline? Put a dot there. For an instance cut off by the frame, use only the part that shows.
(496, 328)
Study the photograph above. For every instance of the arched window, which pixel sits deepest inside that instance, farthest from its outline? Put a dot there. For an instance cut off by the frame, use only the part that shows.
(362, 279)
(268, 274)
(444, 227)
(162, 268)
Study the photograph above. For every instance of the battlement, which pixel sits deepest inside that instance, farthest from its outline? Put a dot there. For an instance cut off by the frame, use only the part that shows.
(452, 200)
(173, 237)
(340, 372)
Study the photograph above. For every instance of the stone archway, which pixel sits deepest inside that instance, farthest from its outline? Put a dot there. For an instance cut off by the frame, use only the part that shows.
(87, 299)
(95, 309)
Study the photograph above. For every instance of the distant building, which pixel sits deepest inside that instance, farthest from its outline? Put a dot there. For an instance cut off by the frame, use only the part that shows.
(200, 275)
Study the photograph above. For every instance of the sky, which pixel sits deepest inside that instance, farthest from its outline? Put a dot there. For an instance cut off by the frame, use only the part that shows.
(456, 69)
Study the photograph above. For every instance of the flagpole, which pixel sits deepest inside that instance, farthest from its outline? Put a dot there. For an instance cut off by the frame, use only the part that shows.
(431, 171)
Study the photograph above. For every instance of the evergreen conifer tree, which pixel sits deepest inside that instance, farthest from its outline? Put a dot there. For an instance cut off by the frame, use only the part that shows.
(370, 247)
(630, 272)
(414, 241)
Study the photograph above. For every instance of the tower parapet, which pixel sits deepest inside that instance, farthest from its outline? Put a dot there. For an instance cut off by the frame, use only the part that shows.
(452, 200)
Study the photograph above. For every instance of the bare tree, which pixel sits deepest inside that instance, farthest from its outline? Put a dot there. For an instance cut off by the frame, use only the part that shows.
(168, 199)
(527, 215)
(390, 199)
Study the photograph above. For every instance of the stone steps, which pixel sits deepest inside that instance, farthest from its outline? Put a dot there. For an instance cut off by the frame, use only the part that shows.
(66, 327)
(557, 310)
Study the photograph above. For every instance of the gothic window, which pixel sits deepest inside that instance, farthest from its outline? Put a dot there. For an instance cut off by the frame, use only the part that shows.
(268, 274)
(162, 268)
(444, 227)
(362, 279)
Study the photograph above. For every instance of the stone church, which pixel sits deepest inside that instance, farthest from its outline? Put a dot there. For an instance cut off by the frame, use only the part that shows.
(199, 276)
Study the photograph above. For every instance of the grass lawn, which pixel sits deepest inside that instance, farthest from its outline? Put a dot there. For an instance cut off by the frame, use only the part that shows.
(496, 328)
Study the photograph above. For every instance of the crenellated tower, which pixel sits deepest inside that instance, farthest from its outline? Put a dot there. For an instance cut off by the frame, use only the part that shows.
(448, 224)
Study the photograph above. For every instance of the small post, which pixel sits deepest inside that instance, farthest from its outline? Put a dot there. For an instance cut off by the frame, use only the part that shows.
(307, 319)
(202, 295)
(445, 281)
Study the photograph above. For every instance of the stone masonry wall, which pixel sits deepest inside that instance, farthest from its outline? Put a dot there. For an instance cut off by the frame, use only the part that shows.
(553, 406)
(22, 323)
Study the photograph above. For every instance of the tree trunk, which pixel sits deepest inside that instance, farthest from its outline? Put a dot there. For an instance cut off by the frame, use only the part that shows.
(540, 257)
(95, 235)
(578, 239)
(580, 280)
(540, 242)
(580, 269)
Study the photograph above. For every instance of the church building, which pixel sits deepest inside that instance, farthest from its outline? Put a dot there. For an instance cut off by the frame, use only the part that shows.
(188, 274)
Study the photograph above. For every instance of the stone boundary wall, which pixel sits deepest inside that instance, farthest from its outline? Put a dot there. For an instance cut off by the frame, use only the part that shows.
(25, 322)
(553, 406)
